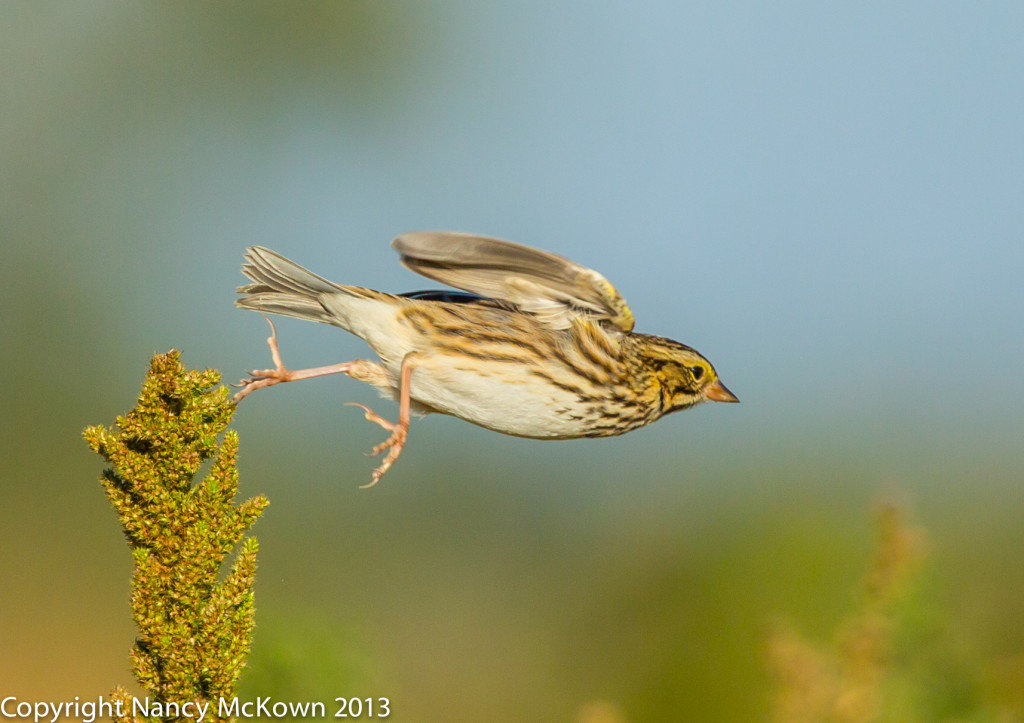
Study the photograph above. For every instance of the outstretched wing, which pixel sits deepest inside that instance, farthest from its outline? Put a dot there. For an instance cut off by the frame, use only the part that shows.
(550, 286)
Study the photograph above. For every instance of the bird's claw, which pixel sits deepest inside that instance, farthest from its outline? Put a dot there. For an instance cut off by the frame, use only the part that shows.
(372, 416)
(260, 378)
(399, 433)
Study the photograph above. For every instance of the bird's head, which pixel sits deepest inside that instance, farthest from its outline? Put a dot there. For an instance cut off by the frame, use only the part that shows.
(685, 376)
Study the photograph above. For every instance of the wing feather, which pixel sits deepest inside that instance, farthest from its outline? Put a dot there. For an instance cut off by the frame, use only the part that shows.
(550, 286)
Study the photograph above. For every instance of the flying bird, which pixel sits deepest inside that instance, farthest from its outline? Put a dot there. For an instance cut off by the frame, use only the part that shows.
(534, 345)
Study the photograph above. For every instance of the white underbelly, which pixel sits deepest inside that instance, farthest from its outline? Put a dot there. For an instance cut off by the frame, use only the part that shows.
(512, 400)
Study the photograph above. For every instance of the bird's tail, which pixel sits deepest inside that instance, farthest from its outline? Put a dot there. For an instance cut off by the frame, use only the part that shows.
(283, 287)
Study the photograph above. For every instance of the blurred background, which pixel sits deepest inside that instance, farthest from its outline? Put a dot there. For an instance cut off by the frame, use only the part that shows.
(826, 201)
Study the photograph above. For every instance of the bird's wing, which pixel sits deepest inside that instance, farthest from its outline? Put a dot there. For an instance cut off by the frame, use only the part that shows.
(550, 286)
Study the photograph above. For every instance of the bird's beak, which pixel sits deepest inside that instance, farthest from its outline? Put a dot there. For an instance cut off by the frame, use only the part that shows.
(717, 392)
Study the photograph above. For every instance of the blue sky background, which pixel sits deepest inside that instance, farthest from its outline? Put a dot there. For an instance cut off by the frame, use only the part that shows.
(823, 199)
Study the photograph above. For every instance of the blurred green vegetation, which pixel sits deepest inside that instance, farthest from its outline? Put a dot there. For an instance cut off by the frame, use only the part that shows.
(894, 657)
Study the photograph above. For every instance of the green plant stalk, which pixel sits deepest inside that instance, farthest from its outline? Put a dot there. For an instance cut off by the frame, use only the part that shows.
(195, 631)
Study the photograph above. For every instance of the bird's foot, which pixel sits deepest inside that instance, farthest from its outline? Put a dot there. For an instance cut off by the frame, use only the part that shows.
(260, 378)
(394, 443)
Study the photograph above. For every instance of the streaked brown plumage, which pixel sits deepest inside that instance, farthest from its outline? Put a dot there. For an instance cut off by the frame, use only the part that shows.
(545, 351)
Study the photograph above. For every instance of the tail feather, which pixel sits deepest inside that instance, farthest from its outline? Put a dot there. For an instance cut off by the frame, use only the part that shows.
(283, 287)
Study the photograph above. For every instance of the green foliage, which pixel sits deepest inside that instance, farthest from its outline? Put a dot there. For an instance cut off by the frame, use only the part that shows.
(892, 659)
(194, 630)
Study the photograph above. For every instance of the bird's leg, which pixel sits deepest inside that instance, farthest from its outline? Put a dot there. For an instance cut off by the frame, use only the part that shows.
(260, 378)
(399, 431)
(360, 369)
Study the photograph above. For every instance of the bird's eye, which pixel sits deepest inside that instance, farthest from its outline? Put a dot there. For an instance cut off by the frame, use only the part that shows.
(697, 373)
